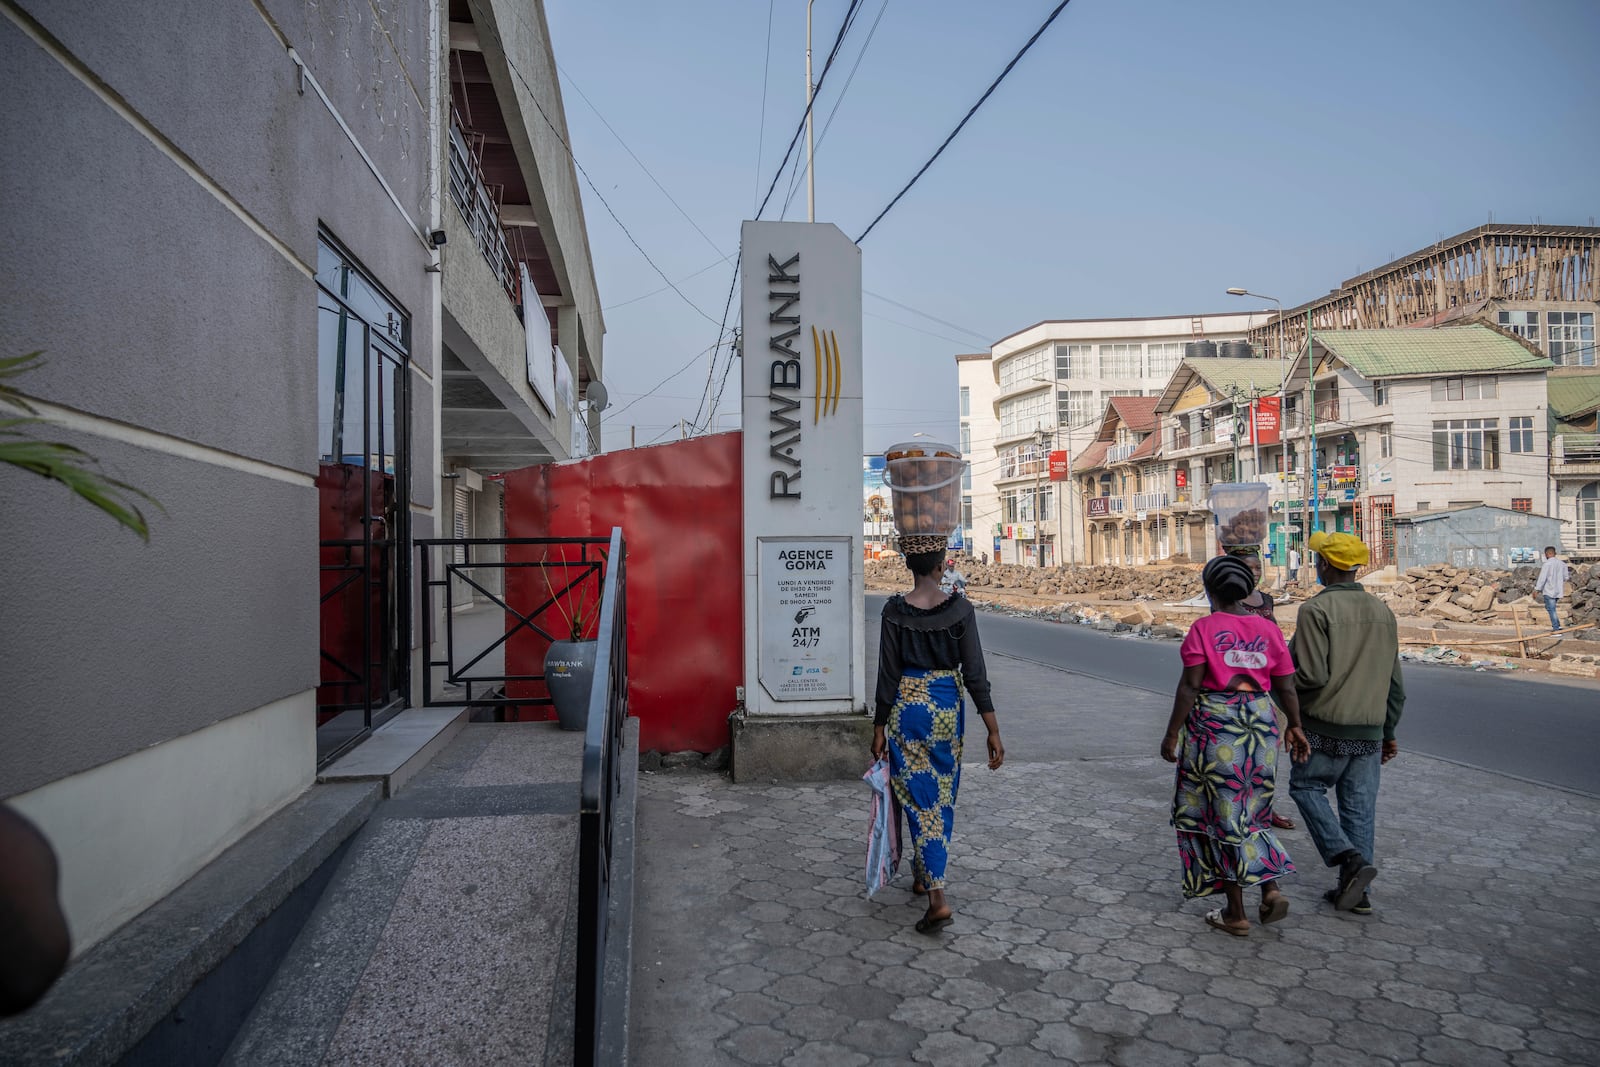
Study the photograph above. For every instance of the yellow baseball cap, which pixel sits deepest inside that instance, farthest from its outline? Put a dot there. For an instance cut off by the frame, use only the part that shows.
(1340, 549)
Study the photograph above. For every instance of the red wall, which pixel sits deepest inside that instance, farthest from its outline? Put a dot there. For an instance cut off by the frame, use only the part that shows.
(681, 512)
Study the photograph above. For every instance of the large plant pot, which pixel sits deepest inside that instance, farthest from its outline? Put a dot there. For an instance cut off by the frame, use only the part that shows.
(569, 676)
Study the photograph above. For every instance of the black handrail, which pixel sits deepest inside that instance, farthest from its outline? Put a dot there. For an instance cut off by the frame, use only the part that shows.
(438, 595)
(600, 785)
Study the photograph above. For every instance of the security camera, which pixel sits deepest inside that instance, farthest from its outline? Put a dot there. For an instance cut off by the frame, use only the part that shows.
(437, 238)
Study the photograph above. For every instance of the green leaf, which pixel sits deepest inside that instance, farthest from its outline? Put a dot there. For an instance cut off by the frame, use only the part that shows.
(13, 366)
(69, 466)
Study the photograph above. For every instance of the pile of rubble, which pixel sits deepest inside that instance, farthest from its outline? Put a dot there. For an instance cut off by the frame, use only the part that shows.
(1469, 594)
(1164, 584)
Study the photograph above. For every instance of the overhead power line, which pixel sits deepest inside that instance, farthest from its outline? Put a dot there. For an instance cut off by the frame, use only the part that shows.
(966, 118)
(872, 31)
(722, 327)
(766, 70)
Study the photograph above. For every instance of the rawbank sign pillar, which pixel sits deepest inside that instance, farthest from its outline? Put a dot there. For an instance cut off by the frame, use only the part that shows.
(805, 649)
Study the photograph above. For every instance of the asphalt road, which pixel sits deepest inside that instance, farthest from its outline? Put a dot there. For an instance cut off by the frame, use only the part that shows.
(1544, 731)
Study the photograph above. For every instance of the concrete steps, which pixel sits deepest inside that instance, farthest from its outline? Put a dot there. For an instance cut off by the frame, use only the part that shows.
(448, 933)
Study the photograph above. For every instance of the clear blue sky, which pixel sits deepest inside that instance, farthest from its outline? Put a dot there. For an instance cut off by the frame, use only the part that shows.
(1142, 158)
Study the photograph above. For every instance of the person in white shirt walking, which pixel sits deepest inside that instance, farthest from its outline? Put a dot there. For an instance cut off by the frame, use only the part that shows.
(1552, 583)
(1294, 565)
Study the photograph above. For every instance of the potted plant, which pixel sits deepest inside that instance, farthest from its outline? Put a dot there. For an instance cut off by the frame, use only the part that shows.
(569, 662)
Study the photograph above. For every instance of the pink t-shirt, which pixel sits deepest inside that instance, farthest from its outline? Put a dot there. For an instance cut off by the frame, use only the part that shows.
(1235, 645)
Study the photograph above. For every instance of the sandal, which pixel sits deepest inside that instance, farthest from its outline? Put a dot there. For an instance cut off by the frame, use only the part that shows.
(917, 890)
(1236, 927)
(1275, 911)
(1283, 822)
(932, 924)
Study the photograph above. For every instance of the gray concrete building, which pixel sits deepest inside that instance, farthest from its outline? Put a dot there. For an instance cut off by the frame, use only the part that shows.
(308, 275)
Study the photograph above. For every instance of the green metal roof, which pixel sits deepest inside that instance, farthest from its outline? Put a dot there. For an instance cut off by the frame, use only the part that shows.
(1574, 393)
(1400, 353)
(1226, 375)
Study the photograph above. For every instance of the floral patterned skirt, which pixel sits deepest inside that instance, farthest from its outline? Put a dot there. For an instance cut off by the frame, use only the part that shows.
(925, 733)
(1222, 807)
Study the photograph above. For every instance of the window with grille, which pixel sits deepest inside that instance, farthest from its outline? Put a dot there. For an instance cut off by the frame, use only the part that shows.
(966, 401)
(1522, 503)
(1522, 323)
(1466, 445)
(1121, 361)
(1522, 433)
(1074, 361)
(1018, 371)
(1075, 408)
(1483, 388)
(1571, 338)
(1162, 359)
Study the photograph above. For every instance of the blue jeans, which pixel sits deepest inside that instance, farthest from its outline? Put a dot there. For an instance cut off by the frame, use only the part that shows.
(1354, 780)
(1550, 606)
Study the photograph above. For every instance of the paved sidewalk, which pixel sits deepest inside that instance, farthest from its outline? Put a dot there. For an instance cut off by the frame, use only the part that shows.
(446, 936)
(755, 943)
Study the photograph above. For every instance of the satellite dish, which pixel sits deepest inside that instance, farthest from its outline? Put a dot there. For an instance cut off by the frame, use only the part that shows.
(597, 397)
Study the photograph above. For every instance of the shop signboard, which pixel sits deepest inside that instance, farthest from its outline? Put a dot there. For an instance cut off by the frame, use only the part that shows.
(1099, 507)
(805, 583)
(1060, 465)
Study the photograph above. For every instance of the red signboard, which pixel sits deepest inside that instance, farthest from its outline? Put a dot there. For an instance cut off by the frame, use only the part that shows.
(1099, 506)
(1344, 474)
(1268, 413)
(1059, 466)
(1181, 478)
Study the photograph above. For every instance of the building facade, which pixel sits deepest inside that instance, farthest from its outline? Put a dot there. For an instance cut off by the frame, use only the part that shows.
(1575, 459)
(1049, 385)
(311, 324)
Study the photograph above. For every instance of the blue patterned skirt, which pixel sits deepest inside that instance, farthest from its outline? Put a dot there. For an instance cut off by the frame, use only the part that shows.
(1222, 808)
(925, 732)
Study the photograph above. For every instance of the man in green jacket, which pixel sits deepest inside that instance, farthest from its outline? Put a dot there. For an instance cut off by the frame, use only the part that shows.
(1346, 651)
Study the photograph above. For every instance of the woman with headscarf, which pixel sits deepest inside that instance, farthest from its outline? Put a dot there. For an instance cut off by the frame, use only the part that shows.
(1260, 603)
(928, 656)
(1223, 735)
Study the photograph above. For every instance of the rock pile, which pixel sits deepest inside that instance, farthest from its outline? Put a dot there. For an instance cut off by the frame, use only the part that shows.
(1165, 584)
(1469, 594)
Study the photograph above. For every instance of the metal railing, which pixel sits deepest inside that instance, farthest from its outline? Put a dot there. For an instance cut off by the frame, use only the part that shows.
(1149, 501)
(1118, 453)
(439, 596)
(480, 212)
(1180, 440)
(599, 788)
(1577, 447)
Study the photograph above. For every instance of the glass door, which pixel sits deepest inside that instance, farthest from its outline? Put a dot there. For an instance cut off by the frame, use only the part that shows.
(363, 482)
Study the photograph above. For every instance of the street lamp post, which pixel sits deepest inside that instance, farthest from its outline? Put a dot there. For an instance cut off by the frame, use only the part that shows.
(1283, 439)
(1038, 531)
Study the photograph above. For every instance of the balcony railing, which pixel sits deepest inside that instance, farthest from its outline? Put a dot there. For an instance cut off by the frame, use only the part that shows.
(1180, 439)
(1577, 448)
(1150, 501)
(480, 212)
(1118, 453)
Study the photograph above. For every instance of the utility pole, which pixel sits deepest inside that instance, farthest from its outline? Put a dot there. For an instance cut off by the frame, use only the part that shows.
(1308, 492)
(811, 174)
(633, 437)
(1038, 526)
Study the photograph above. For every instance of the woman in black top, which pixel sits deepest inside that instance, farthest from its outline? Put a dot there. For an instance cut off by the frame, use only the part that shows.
(929, 653)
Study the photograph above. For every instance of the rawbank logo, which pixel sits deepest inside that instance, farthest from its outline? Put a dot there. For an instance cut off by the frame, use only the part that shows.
(830, 373)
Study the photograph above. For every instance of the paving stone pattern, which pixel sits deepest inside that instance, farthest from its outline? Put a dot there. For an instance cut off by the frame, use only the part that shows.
(756, 943)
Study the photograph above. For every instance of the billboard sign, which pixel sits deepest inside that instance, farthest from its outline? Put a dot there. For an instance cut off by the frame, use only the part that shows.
(1268, 414)
(1060, 466)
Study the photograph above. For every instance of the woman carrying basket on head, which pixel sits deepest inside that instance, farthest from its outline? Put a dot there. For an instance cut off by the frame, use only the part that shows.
(928, 656)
